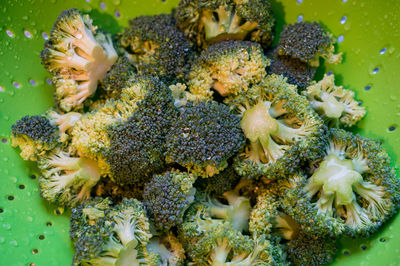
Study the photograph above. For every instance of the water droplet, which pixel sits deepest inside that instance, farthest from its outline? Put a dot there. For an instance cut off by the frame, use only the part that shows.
(343, 20)
(103, 5)
(14, 243)
(9, 33)
(13, 179)
(79, 36)
(117, 14)
(28, 34)
(16, 85)
(375, 70)
(116, 2)
(7, 226)
(391, 50)
(300, 18)
(45, 35)
(340, 38)
(32, 82)
(29, 218)
(25, 17)
(2, 239)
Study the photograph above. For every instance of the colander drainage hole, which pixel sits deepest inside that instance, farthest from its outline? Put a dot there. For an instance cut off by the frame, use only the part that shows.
(41, 237)
(367, 88)
(103, 5)
(35, 251)
(363, 247)
(32, 82)
(346, 252)
(32, 176)
(375, 70)
(1, 210)
(10, 197)
(382, 239)
(48, 80)
(392, 128)
(21, 186)
(49, 224)
(4, 140)
(45, 36)
(117, 14)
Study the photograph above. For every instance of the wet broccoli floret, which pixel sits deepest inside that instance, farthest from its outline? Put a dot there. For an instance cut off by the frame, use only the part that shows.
(228, 67)
(218, 184)
(155, 46)
(167, 196)
(281, 128)
(207, 22)
(203, 137)
(35, 136)
(78, 56)
(307, 42)
(334, 104)
(353, 190)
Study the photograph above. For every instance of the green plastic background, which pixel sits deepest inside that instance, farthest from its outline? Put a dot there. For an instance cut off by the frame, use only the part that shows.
(30, 231)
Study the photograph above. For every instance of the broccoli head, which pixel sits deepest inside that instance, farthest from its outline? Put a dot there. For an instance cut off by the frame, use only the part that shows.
(78, 56)
(207, 22)
(67, 180)
(35, 136)
(281, 128)
(227, 67)
(353, 189)
(155, 46)
(218, 184)
(334, 104)
(167, 196)
(307, 42)
(203, 137)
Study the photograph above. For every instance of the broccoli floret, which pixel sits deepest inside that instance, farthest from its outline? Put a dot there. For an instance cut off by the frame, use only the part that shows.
(108, 188)
(66, 180)
(353, 190)
(203, 137)
(218, 184)
(155, 46)
(169, 250)
(297, 72)
(334, 104)
(227, 67)
(78, 56)
(307, 42)
(64, 122)
(207, 22)
(281, 128)
(167, 196)
(181, 96)
(35, 136)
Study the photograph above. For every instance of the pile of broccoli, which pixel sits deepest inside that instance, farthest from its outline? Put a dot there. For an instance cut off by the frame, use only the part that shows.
(187, 139)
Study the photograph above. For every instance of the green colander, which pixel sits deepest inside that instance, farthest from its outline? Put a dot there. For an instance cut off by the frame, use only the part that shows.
(34, 233)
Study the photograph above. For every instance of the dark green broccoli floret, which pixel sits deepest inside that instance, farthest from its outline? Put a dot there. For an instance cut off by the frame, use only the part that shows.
(167, 196)
(35, 136)
(155, 46)
(136, 149)
(281, 128)
(334, 104)
(203, 137)
(353, 190)
(207, 22)
(169, 250)
(67, 180)
(228, 67)
(78, 56)
(307, 42)
(218, 184)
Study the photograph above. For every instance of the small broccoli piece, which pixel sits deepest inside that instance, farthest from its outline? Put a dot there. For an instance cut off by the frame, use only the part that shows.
(307, 42)
(218, 184)
(167, 196)
(66, 180)
(155, 46)
(64, 122)
(353, 190)
(203, 137)
(169, 250)
(207, 22)
(78, 56)
(118, 77)
(227, 67)
(297, 72)
(181, 96)
(334, 104)
(281, 128)
(35, 136)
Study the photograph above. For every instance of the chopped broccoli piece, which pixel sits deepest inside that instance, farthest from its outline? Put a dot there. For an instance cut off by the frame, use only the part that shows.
(218, 184)
(203, 137)
(78, 56)
(227, 67)
(155, 46)
(207, 22)
(35, 136)
(334, 104)
(167, 196)
(66, 180)
(281, 128)
(181, 96)
(307, 42)
(169, 250)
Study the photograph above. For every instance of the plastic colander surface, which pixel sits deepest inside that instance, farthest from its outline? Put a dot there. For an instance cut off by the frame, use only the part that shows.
(35, 233)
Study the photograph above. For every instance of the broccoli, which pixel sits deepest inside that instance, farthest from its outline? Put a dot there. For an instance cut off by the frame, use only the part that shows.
(64, 122)
(78, 56)
(155, 46)
(227, 67)
(307, 42)
(181, 96)
(281, 128)
(108, 188)
(353, 190)
(35, 136)
(297, 72)
(167, 196)
(334, 104)
(207, 22)
(219, 183)
(203, 137)
(66, 180)
(169, 250)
